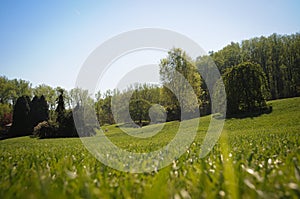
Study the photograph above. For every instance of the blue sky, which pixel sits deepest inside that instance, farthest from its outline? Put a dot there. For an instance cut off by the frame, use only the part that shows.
(40, 38)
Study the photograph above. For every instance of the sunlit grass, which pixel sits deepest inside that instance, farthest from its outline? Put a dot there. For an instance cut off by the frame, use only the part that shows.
(254, 158)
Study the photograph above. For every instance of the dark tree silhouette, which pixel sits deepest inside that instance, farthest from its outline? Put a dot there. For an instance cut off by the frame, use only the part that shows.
(44, 109)
(67, 126)
(60, 109)
(39, 111)
(21, 122)
(33, 113)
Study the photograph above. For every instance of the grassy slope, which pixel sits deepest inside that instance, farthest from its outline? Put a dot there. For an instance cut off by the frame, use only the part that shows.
(255, 157)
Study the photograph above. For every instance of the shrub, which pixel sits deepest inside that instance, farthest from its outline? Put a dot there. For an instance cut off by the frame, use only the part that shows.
(45, 130)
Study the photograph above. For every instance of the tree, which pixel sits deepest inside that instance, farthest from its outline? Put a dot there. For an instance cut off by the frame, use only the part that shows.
(138, 109)
(277, 55)
(78, 95)
(48, 92)
(106, 110)
(177, 73)
(20, 88)
(21, 122)
(60, 109)
(206, 65)
(5, 115)
(39, 110)
(86, 121)
(6, 90)
(246, 88)
(229, 56)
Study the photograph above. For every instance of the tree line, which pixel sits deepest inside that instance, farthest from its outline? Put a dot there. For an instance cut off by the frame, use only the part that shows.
(277, 55)
(253, 71)
(42, 111)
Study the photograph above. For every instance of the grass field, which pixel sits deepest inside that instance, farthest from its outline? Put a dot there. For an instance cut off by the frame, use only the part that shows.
(254, 158)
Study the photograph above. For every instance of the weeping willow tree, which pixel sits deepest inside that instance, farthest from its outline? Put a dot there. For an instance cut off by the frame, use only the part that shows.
(246, 88)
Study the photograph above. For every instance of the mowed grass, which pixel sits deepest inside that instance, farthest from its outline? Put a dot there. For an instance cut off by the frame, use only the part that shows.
(254, 158)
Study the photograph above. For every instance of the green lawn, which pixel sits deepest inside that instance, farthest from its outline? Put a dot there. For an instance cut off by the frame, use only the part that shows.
(254, 158)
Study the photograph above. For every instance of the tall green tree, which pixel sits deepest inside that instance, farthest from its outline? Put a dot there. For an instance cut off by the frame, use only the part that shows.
(229, 56)
(48, 92)
(78, 95)
(104, 109)
(6, 90)
(177, 62)
(20, 88)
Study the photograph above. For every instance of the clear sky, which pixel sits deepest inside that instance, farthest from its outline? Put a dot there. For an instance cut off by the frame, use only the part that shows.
(40, 38)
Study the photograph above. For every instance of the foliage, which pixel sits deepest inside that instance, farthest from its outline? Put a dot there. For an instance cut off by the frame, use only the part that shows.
(157, 114)
(138, 110)
(39, 110)
(66, 126)
(27, 114)
(205, 65)
(5, 90)
(103, 109)
(142, 95)
(60, 109)
(86, 122)
(5, 120)
(48, 92)
(177, 63)
(45, 130)
(32, 117)
(10, 90)
(277, 55)
(78, 96)
(5, 115)
(21, 122)
(246, 88)
(259, 160)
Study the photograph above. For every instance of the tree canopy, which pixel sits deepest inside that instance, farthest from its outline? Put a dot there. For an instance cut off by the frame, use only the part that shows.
(246, 88)
(177, 72)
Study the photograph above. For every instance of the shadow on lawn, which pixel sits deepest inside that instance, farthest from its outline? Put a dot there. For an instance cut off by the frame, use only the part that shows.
(266, 110)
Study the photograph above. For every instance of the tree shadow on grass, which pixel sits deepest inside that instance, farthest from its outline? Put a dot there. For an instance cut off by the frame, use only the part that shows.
(257, 113)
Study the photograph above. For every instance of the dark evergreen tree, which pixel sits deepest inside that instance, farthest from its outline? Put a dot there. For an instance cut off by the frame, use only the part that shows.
(44, 109)
(67, 126)
(39, 111)
(33, 113)
(60, 109)
(21, 122)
